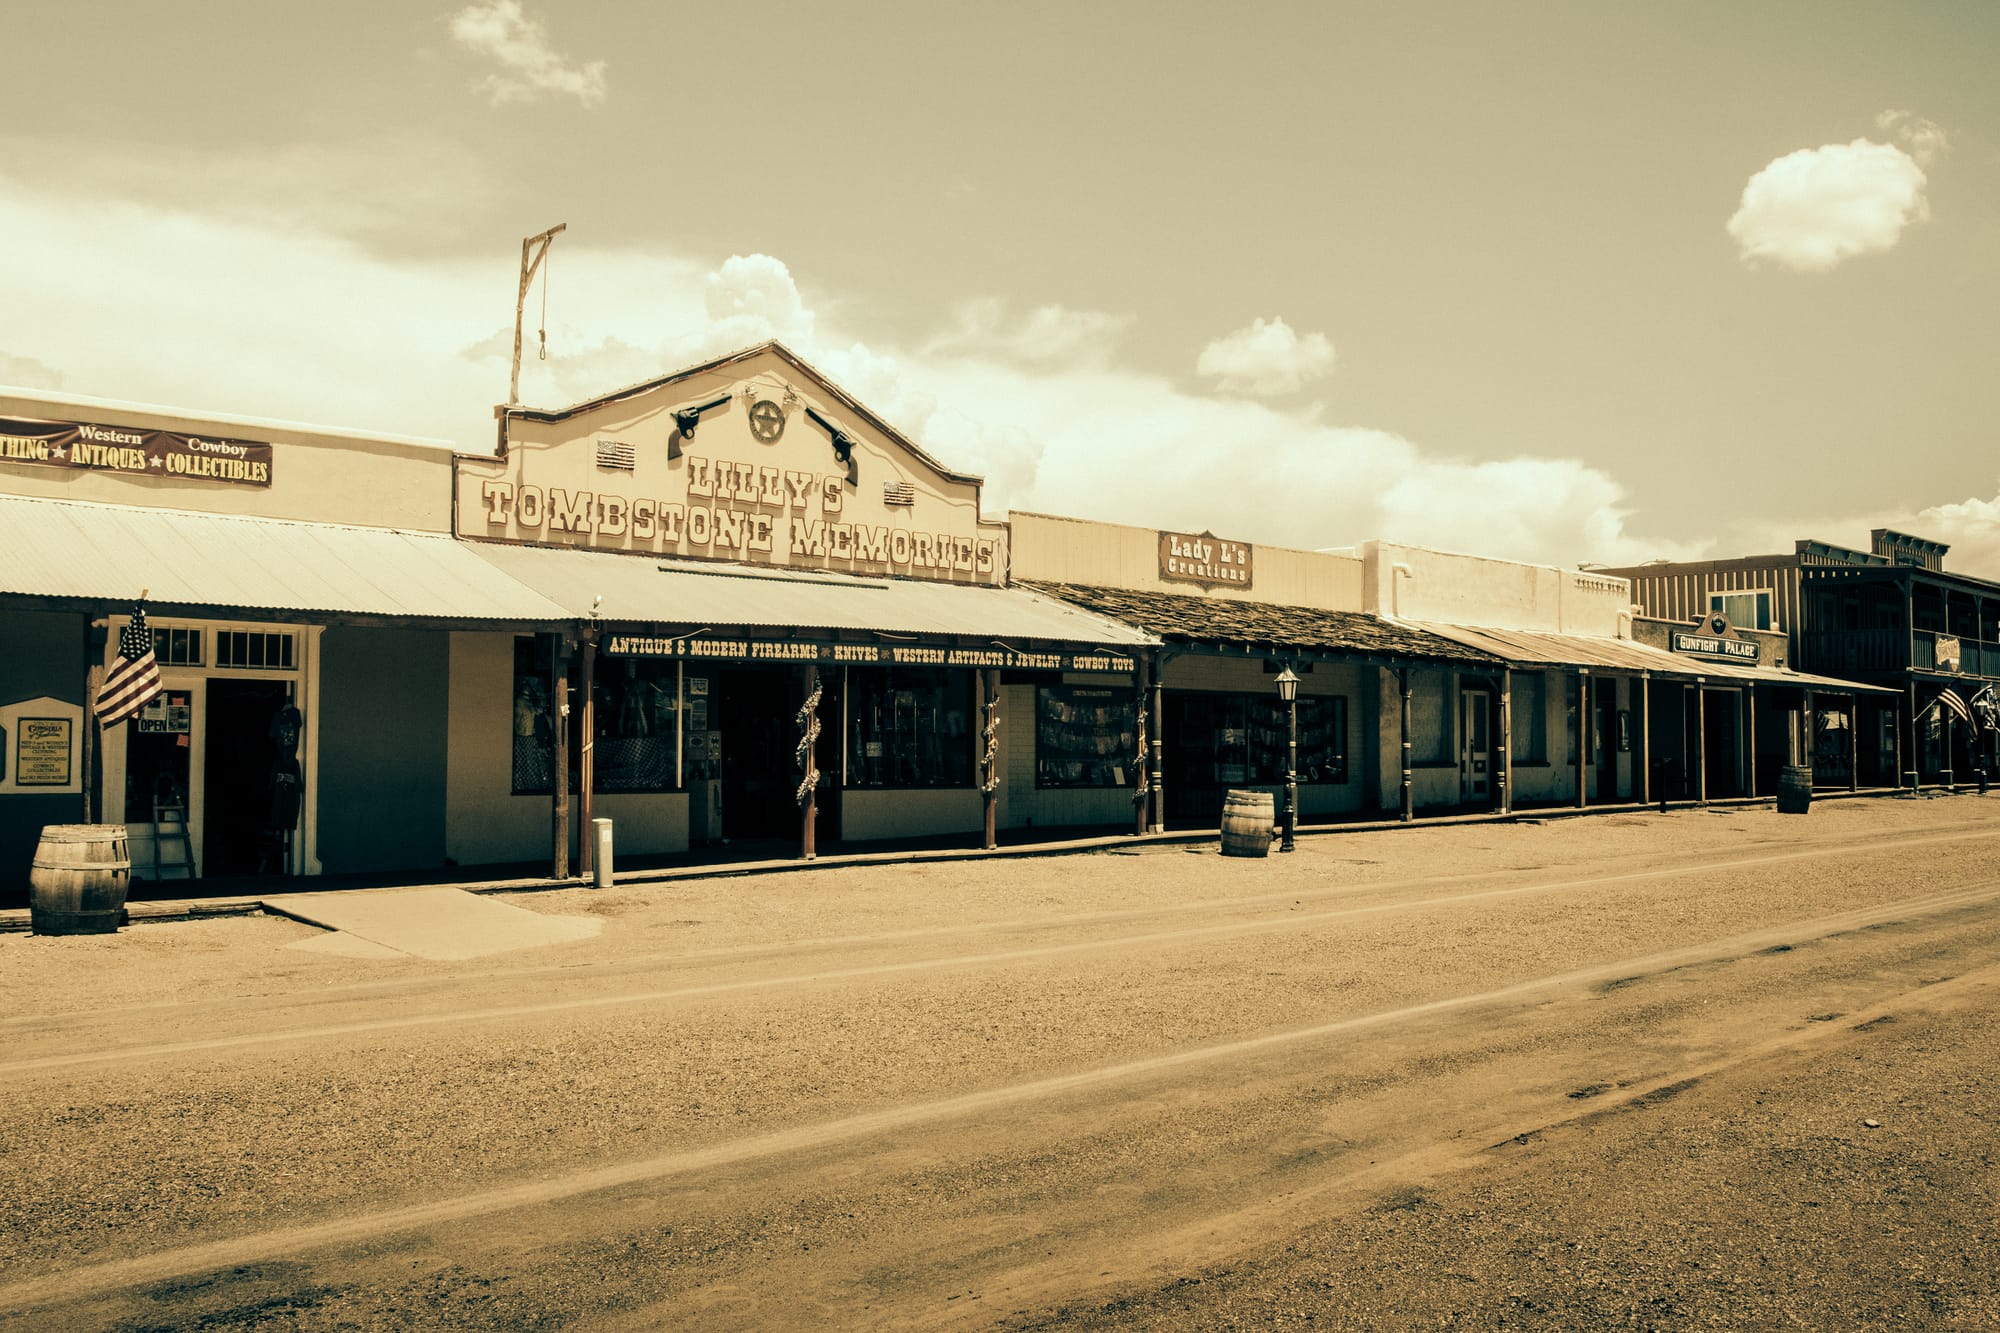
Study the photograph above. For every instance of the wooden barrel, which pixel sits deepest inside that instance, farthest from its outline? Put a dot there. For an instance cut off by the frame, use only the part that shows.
(1247, 819)
(77, 882)
(1794, 789)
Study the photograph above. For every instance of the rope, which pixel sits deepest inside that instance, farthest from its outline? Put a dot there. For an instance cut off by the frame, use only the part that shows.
(548, 267)
(1139, 760)
(808, 719)
(991, 758)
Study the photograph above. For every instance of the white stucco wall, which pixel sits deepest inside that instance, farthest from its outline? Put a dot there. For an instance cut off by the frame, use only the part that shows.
(911, 813)
(318, 473)
(1414, 583)
(484, 821)
(1114, 555)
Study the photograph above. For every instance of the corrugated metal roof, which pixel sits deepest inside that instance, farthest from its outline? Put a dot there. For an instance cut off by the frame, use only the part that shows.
(1527, 648)
(99, 552)
(1305, 628)
(651, 590)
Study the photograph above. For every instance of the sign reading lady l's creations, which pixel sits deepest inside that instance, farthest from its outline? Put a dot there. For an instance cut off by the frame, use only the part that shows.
(42, 752)
(1204, 558)
(130, 450)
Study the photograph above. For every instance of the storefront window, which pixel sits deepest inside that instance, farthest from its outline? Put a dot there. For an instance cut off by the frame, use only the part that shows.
(157, 747)
(533, 773)
(909, 727)
(1084, 737)
(637, 715)
(1224, 740)
(1430, 721)
(1530, 706)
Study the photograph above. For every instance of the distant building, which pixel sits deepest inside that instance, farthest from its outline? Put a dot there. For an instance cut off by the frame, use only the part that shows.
(1891, 616)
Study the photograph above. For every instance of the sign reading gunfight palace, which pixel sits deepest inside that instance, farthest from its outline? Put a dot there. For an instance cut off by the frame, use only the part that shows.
(133, 451)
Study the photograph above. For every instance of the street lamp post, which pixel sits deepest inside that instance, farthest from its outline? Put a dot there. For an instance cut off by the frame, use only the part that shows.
(1288, 692)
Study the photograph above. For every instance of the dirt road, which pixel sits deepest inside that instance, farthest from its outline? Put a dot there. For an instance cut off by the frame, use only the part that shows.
(1707, 1069)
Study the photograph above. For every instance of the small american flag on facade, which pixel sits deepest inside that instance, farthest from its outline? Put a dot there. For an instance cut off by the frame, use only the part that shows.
(134, 676)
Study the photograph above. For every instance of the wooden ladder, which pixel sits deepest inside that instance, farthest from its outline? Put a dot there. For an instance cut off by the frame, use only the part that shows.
(170, 825)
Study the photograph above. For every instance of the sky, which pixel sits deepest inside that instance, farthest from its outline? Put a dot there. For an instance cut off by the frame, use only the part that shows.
(1559, 282)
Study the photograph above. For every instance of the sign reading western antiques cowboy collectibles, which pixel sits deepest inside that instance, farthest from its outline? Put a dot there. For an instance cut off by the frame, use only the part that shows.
(131, 450)
(1205, 559)
(1708, 645)
(715, 473)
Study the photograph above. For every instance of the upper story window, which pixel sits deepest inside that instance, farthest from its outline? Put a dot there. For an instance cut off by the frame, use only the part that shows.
(1746, 610)
(176, 646)
(255, 650)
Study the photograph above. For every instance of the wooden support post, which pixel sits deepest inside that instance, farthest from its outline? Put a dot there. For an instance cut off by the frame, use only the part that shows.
(94, 638)
(1141, 788)
(1916, 744)
(1854, 742)
(1158, 743)
(1748, 746)
(559, 757)
(586, 762)
(1409, 797)
(1642, 742)
(1701, 744)
(1582, 736)
(808, 757)
(1503, 772)
(989, 689)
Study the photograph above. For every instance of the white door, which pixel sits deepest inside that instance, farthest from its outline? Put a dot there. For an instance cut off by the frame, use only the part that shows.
(1475, 755)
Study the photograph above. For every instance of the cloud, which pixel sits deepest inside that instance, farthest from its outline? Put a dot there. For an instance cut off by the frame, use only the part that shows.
(1266, 359)
(530, 67)
(24, 372)
(237, 314)
(1046, 335)
(1815, 208)
(1925, 139)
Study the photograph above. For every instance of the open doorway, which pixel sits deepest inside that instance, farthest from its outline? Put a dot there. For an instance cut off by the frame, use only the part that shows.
(241, 831)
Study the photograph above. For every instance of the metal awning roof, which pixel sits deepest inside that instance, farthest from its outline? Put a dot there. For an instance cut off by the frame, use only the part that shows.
(88, 556)
(1528, 648)
(649, 590)
(1228, 621)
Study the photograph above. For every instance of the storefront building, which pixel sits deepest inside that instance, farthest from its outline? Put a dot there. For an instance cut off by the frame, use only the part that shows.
(727, 606)
(303, 593)
(793, 625)
(1891, 618)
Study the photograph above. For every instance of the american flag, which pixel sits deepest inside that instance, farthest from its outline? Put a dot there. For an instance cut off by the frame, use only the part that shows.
(134, 677)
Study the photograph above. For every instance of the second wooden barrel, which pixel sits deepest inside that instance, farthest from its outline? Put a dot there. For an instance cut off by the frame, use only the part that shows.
(1247, 818)
(77, 881)
(1794, 789)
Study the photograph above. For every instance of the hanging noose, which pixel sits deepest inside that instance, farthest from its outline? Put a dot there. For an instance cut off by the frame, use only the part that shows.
(808, 718)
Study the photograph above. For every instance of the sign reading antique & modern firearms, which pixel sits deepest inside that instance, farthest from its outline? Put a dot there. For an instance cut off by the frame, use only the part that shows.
(719, 648)
(1204, 558)
(134, 451)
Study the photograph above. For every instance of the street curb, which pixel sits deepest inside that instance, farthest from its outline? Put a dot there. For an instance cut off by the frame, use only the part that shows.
(15, 920)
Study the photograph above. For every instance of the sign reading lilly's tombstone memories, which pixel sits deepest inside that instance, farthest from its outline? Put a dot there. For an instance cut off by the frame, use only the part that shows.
(134, 451)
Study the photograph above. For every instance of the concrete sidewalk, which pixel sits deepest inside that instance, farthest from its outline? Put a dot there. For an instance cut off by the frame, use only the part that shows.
(195, 907)
(446, 923)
